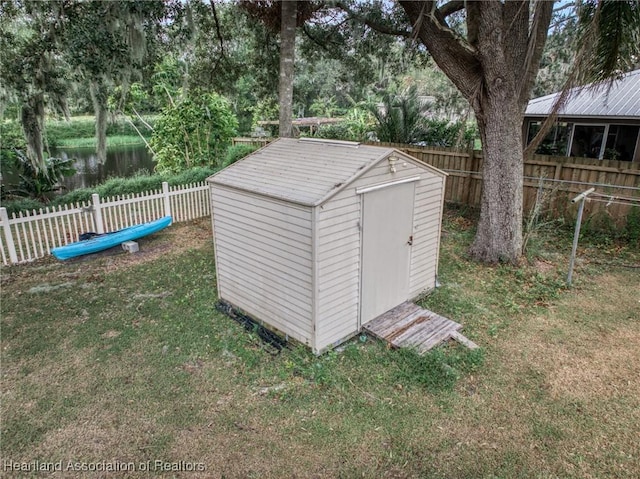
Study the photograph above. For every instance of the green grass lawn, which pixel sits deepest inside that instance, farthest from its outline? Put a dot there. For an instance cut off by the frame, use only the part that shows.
(112, 141)
(124, 358)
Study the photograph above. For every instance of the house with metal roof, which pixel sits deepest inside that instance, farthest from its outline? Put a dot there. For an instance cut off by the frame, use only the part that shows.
(316, 238)
(597, 121)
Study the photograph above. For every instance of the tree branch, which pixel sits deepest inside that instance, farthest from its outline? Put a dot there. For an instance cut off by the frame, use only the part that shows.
(130, 121)
(306, 31)
(218, 32)
(455, 57)
(452, 7)
(378, 27)
(564, 7)
(537, 38)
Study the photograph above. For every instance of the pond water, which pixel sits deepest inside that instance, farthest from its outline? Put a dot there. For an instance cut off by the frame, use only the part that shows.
(122, 161)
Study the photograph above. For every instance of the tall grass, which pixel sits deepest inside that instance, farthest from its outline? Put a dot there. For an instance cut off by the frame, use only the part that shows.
(112, 141)
(79, 132)
(85, 127)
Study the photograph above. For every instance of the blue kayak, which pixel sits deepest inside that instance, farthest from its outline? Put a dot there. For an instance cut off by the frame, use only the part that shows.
(109, 240)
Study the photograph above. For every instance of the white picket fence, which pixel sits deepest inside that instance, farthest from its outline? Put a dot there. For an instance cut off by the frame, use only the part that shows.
(29, 236)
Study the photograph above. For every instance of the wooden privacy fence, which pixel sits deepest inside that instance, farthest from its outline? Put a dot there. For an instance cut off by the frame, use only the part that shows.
(560, 178)
(257, 142)
(29, 236)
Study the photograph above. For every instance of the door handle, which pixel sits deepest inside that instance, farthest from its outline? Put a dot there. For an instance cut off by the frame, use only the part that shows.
(410, 242)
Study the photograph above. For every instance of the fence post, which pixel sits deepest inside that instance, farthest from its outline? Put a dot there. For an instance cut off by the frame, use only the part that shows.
(13, 256)
(468, 181)
(97, 213)
(167, 202)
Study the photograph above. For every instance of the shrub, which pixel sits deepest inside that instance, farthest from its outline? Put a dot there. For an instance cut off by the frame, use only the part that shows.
(22, 205)
(631, 231)
(401, 118)
(194, 132)
(86, 128)
(236, 152)
(357, 125)
(11, 139)
(76, 128)
(446, 133)
(136, 184)
(193, 175)
(39, 183)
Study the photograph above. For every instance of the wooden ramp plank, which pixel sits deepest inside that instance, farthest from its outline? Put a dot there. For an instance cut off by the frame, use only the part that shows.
(432, 337)
(386, 321)
(408, 325)
(464, 340)
(394, 329)
(426, 328)
(435, 339)
(419, 321)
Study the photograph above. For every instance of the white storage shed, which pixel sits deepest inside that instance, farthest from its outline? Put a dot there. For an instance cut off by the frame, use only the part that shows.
(315, 238)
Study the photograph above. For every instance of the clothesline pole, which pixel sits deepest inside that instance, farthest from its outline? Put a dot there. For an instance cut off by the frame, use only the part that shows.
(582, 197)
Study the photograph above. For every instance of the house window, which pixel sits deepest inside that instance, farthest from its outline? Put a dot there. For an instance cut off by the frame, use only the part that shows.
(587, 141)
(621, 142)
(556, 141)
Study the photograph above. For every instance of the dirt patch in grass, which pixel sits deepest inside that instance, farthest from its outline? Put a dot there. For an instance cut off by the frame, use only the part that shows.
(605, 370)
(96, 437)
(176, 239)
(110, 334)
(590, 346)
(544, 266)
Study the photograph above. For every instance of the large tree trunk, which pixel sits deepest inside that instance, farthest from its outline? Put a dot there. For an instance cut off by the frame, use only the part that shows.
(99, 95)
(287, 56)
(494, 68)
(32, 120)
(499, 234)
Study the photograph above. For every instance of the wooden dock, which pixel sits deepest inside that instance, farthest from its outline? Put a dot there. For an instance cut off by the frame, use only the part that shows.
(408, 325)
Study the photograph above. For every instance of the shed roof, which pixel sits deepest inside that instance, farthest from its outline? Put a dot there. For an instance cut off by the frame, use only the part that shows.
(304, 171)
(621, 101)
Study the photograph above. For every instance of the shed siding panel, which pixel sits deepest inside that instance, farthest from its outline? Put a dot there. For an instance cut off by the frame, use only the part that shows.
(340, 326)
(339, 268)
(427, 215)
(263, 247)
(266, 309)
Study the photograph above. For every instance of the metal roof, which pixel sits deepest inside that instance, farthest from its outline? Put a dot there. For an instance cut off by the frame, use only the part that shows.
(307, 121)
(304, 171)
(620, 101)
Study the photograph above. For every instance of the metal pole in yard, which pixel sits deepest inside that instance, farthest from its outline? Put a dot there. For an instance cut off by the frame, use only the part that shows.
(582, 197)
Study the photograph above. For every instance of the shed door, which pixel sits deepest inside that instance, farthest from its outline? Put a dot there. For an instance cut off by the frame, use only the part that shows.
(386, 249)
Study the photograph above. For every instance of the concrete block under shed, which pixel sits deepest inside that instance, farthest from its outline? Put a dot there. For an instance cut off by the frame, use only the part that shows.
(130, 246)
